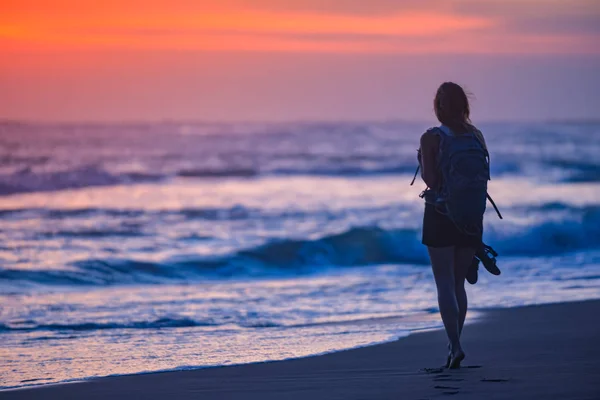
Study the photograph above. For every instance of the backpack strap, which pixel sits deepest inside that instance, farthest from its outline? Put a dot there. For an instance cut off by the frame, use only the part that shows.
(487, 153)
(494, 204)
(445, 130)
(415, 177)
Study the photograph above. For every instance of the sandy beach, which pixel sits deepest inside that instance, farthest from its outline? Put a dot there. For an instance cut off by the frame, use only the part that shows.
(547, 351)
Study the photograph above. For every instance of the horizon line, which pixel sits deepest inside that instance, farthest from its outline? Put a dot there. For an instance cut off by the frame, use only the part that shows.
(175, 121)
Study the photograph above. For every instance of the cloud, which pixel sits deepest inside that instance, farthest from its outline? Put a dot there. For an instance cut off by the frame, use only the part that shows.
(341, 7)
(337, 26)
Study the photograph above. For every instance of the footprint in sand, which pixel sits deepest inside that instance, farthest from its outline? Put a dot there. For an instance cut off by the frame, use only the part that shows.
(434, 370)
(442, 379)
(494, 380)
(440, 370)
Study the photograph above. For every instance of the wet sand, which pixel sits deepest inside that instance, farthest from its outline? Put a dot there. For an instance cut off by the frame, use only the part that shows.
(537, 352)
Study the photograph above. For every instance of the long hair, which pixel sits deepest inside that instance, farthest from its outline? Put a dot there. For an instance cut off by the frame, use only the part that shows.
(451, 106)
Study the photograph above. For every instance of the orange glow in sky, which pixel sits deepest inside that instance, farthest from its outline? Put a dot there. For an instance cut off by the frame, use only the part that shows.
(287, 59)
(279, 25)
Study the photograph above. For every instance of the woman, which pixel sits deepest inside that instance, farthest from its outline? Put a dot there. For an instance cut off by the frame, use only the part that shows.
(451, 249)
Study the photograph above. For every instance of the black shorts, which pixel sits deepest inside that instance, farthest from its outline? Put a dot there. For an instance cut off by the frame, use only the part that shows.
(440, 231)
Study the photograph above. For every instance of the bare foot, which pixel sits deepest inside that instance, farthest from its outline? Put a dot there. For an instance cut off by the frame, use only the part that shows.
(456, 359)
(448, 361)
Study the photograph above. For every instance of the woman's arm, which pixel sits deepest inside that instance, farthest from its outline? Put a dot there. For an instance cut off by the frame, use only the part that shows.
(430, 144)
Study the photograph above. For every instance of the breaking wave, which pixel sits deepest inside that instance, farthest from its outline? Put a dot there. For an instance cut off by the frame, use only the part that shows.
(355, 247)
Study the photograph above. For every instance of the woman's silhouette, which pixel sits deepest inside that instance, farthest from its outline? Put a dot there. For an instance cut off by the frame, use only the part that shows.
(451, 249)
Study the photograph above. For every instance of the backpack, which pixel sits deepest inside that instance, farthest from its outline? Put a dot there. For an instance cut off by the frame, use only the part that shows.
(464, 165)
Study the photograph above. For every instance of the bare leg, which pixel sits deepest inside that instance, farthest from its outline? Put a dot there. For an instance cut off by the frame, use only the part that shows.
(442, 263)
(462, 260)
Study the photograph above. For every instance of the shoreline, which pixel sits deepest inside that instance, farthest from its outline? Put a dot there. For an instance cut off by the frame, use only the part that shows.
(388, 320)
(523, 352)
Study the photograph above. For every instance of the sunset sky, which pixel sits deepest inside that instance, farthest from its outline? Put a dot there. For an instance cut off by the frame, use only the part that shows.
(69, 60)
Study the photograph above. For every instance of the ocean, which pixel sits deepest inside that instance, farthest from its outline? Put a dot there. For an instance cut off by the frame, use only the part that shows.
(129, 248)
